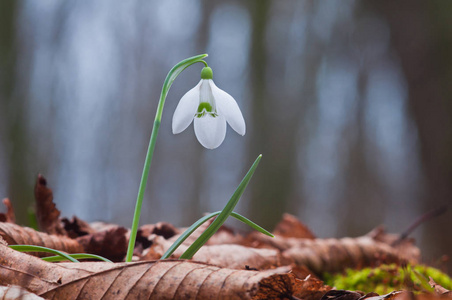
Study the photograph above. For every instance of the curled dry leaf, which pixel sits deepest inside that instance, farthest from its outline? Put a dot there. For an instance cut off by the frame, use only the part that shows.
(147, 232)
(277, 287)
(76, 227)
(402, 247)
(290, 226)
(111, 243)
(226, 235)
(46, 211)
(17, 235)
(311, 288)
(439, 289)
(107, 240)
(333, 255)
(192, 238)
(102, 226)
(166, 230)
(237, 257)
(9, 216)
(258, 240)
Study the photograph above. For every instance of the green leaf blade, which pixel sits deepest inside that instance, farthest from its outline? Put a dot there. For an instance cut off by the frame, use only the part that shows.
(227, 210)
(198, 223)
(187, 233)
(76, 256)
(32, 248)
(251, 224)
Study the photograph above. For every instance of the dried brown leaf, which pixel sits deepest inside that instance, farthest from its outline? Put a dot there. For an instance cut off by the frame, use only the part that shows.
(302, 273)
(405, 248)
(166, 230)
(311, 288)
(146, 233)
(141, 280)
(228, 255)
(318, 255)
(111, 243)
(76, 227)
(237, 257)
(102, 226)
(33, 273)
(438, 288)
(17, 235)
(258, 240)
(290, 226)
(321, 255)
(9, 217)
(192, 238)
(276, 287)
(17, 292)
(333, 255)
(224, 235)
(46, 212)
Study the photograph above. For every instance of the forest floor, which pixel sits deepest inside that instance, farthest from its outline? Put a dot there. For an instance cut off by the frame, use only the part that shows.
(232, 265)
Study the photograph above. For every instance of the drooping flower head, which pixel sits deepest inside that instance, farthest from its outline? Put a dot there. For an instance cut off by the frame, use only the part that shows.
(210, 108)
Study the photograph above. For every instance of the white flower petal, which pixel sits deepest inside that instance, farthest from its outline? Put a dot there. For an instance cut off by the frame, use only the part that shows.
(227, 107)
(186, 109)
(210, 131)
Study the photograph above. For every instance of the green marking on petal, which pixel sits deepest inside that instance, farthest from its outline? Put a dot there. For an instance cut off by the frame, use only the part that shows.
(204, 106)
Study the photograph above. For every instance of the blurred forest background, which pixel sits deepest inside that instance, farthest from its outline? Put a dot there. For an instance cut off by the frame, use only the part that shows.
(348, 101)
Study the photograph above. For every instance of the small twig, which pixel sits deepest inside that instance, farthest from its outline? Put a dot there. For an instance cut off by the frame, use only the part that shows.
(424, 218)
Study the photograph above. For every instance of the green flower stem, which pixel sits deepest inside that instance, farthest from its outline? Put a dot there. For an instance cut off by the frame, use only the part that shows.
(227, 210)
(175, 71)
(76, 256)
(32, 248)
(198, 223)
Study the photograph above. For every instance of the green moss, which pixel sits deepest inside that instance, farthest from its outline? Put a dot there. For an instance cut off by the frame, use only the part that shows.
(388, 278)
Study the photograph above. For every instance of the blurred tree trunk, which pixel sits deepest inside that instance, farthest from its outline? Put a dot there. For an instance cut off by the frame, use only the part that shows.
(265, 190)
(272, 186)
(12, 108)
(279, 110)
(358, 175)
(422, 35)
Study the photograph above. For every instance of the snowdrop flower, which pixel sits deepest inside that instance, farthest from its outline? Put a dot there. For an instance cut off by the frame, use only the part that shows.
(210, 108)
